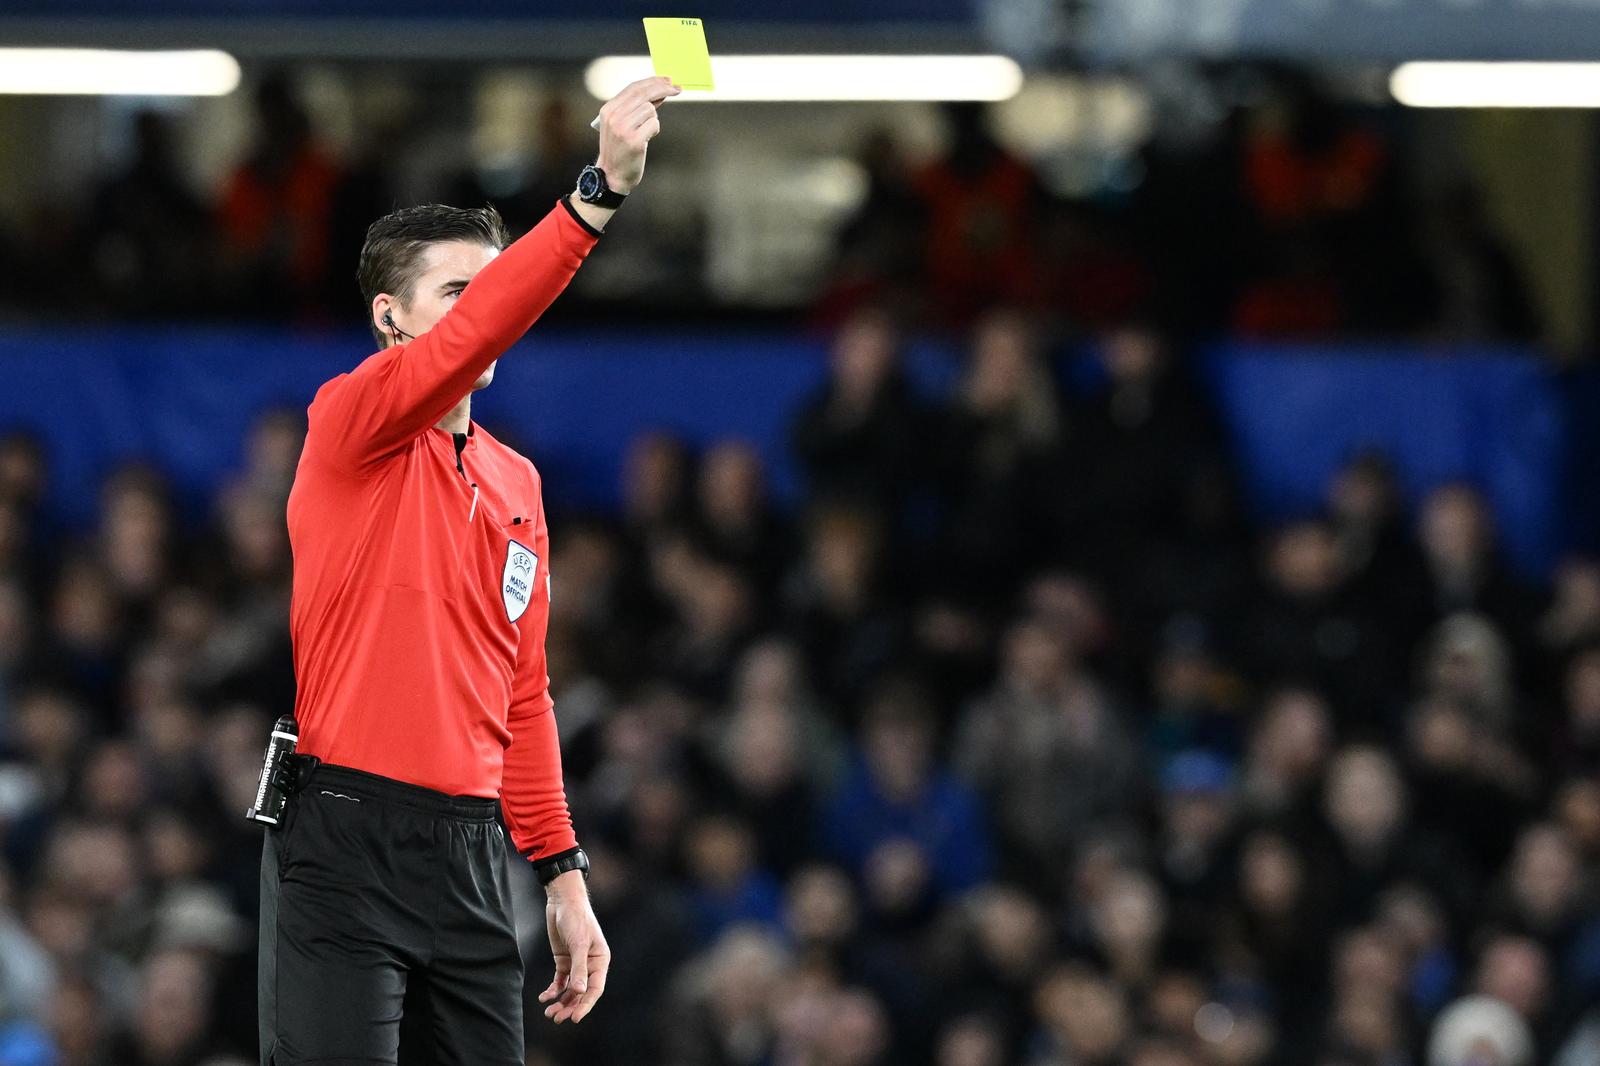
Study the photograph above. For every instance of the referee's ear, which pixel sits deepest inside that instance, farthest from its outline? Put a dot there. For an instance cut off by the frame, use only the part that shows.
(383, 328)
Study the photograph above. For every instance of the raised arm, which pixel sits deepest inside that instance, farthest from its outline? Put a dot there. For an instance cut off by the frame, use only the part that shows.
(396, 394)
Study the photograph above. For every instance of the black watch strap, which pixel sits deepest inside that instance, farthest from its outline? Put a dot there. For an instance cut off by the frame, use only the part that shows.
(593, 189)
(556, 865)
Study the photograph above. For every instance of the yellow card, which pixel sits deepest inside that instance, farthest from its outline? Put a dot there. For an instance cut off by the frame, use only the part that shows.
(678, 50)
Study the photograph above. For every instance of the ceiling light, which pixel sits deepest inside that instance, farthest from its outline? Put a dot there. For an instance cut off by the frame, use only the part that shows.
(829, 77)
(113, 72)
(1497, 84)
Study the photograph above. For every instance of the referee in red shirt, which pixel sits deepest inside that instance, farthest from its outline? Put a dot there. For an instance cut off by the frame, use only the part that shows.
(421, 597)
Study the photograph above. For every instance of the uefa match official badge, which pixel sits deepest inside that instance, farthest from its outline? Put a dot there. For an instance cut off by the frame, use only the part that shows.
(516, 581)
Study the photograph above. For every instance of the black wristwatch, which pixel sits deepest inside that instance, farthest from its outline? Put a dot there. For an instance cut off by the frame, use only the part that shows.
(592, 188)
(553, 867)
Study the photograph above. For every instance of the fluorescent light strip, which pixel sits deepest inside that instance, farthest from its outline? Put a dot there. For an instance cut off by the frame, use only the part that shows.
(110, 72)
(1497, 84)
(829, 77)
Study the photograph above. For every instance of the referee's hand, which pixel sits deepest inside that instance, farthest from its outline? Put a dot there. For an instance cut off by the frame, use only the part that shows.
(628, 121)
(580, 949)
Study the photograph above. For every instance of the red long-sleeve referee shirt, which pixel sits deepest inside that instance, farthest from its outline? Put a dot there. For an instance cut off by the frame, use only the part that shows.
(422, 590)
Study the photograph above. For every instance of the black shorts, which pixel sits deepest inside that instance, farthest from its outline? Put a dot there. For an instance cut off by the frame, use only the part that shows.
(386, 928)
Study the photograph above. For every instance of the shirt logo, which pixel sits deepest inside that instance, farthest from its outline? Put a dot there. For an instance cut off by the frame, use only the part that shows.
(516, 580)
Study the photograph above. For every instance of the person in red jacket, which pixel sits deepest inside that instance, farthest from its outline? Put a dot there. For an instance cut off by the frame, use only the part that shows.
(421, 597)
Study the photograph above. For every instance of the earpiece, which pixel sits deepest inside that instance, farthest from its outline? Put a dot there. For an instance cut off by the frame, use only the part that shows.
(394, 330)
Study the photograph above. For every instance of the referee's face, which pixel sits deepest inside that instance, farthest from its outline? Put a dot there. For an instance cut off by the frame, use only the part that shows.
(447, 268)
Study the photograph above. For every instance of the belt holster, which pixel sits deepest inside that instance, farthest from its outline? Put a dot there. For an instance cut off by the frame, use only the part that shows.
(293, 772)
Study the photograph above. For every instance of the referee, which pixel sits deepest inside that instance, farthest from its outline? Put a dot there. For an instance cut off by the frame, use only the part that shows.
(421, 597)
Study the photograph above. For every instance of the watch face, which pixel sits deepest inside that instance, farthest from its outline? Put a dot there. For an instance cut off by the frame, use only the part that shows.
(589, 183)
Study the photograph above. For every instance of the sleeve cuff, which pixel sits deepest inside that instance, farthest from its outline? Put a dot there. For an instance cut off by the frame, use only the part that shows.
(566, 202)
(552, 857)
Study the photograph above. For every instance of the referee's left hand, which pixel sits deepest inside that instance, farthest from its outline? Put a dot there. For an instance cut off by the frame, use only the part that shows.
(580, 949)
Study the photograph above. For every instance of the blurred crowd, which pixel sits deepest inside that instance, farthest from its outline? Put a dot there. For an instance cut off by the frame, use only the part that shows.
(1288, 215)
(276, 239)
(1016, 744)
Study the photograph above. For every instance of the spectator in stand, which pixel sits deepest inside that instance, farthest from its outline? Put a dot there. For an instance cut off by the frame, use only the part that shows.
(1083, 1018)
(272, 452)
(735, 521)
(840, 611)
(1479, 1029)
(1288, 751)
(1279, 932)
(982, 209)
(1140, 445)
(276, 211)
(23, 476)
(859, 437)
(15, 641)
(1471, 788)
(910, 830)
(1000, 460)
(972, 1041)
(1199, 817)
(998, 949)
(765, 756)
(171, 1021)
(1467, 662)
(1128, 932)
(1374, 842)
(148, 230)
(1332, 245)
(1464, 570)
(1093, 273)
(1410, 916)
(77, 1023)
(1573, 618)
(1516, 971)
(1194, 703)
(714, 611)
(879, 259)
(1308, 626)
(1049, 749)
(729, 886)
(726, 1008)
(1545, 900)
(822, 917)
(1579, 736)
(1375, 546)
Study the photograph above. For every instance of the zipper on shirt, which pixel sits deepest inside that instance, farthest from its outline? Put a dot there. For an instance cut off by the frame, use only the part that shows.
(461, 444)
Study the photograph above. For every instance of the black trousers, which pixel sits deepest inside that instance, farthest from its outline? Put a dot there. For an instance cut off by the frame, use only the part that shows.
(386, 929)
